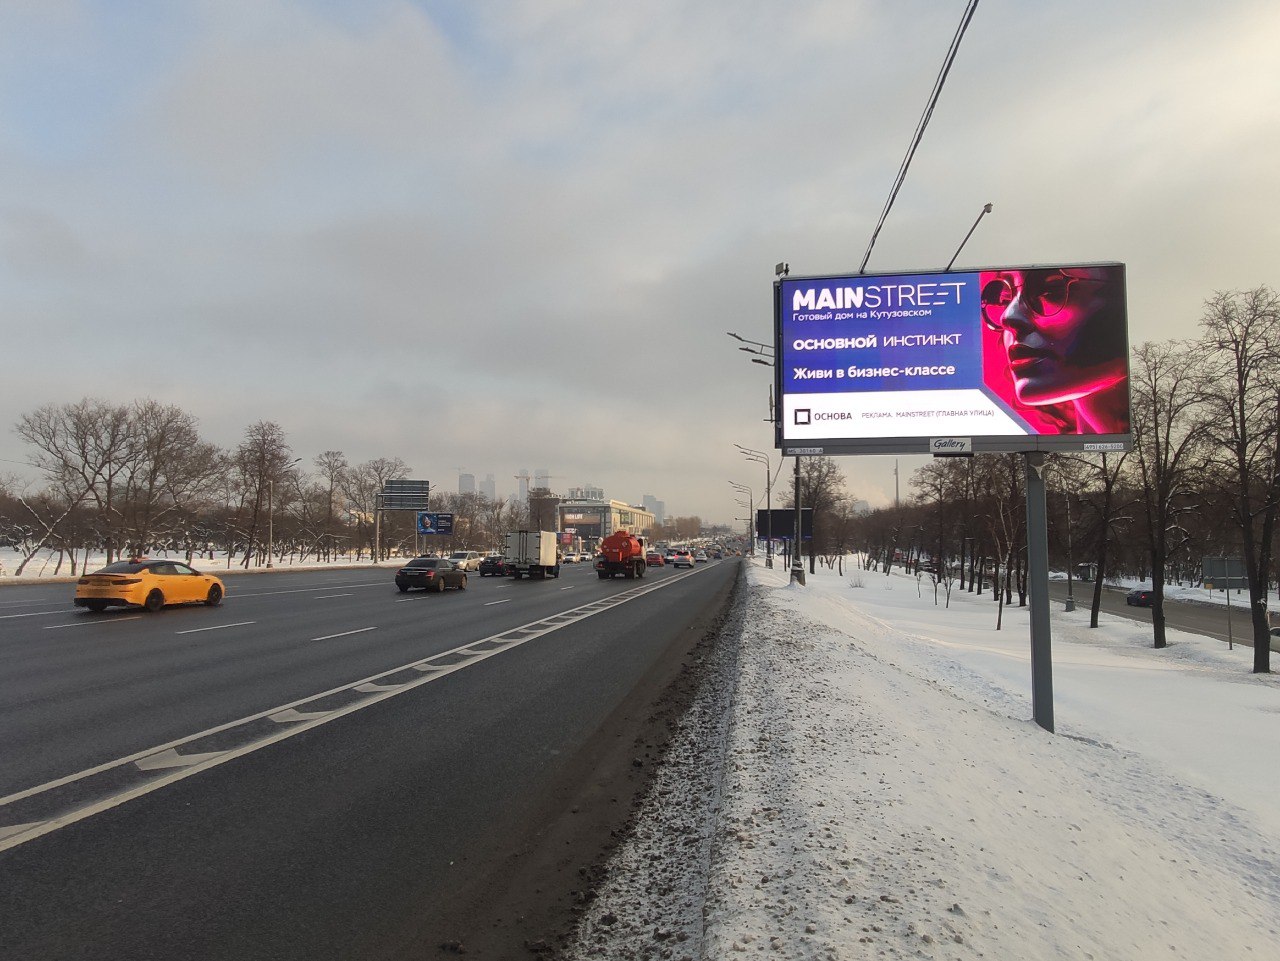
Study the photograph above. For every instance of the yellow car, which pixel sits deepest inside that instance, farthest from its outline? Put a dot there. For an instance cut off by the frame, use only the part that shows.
(148, 584)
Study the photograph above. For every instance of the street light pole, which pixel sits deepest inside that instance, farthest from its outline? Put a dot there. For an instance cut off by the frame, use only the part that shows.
(762, 458)
(750, 505)
(271, 517)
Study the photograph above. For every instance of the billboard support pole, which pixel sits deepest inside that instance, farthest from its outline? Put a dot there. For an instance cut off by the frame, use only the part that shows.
(1038, 582)
(797, 564)
(768, 505)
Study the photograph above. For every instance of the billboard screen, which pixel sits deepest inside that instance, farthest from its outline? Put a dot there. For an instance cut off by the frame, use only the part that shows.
(782, 524)
(998, 359)
(430, 523)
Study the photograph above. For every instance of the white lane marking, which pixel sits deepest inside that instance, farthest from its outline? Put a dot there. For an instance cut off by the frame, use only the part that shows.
(370, 688)
(13, 830)
(325, 597)
(358, 630)
(292, 716)
(505, 600)
(171, 758)
(216, 627)
(114, 620)
(41, 828)
(5, 617)
(401, 600)
(569, 588)
(308, 590)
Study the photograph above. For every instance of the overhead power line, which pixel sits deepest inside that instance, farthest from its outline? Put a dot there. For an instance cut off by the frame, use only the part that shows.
(920, 127)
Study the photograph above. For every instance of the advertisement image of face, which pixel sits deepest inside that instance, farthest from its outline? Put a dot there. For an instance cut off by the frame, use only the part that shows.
(1064, 343)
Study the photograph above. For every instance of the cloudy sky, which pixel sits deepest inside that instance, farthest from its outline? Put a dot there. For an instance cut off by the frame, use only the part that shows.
(507, 235)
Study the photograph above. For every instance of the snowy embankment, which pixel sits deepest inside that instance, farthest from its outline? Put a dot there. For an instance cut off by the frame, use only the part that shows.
(863, 780)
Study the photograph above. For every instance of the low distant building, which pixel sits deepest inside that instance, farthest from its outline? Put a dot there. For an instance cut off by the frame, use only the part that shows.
(595, 518)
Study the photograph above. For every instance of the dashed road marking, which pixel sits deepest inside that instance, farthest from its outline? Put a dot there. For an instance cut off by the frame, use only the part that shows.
(89, 623)
(171, 758)
(216, 627)
(358, 630)
(293, 716)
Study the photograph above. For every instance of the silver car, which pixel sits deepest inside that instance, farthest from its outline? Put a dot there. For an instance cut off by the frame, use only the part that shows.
(466, 560)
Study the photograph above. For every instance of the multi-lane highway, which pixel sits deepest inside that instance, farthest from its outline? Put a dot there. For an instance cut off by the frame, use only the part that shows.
(323, 767)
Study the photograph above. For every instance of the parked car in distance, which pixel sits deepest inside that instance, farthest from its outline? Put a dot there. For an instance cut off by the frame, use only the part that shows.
(682, 559)
(700, 557)
(1139, 597)
(654, 559)
(431, 574)
(493, 564)
(149, 584)
(570, 558)
(466, 560)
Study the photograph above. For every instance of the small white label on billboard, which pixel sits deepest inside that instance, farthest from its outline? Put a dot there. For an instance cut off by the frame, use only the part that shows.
(804, 451)
(951, 445)
(1112, 445)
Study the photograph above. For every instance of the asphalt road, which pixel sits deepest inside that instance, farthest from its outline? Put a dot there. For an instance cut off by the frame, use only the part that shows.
(323, 768)
(1205, 619)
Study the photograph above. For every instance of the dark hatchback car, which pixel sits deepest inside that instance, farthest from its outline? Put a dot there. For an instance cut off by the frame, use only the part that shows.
(494, 565)
(1139, 597)
(431, 574)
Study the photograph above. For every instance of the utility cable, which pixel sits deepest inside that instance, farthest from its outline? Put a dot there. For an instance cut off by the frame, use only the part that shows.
(920, 127)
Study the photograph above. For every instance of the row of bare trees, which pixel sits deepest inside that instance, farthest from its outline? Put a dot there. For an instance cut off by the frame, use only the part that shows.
(1202, 480)
(128, 478)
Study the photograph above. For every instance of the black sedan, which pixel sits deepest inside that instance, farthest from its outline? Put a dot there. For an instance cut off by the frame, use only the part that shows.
(493, 564)
(1139, 597)
(431, 574)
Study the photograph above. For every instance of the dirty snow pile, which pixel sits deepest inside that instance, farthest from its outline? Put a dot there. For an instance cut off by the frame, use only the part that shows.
(862, 779)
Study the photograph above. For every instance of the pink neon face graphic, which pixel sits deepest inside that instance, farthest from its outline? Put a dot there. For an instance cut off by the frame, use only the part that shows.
(1054, 347)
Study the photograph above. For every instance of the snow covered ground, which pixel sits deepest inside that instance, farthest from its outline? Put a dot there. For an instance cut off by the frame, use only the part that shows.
(44, 566)
(863, 780)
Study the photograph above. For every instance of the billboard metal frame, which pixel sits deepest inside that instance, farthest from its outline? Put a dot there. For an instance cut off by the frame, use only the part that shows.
(937, 441)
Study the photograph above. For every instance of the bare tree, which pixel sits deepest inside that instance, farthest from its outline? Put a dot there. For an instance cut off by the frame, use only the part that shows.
(86, 449)
(333, 466)
(822, 484)
(172, 466)
(1168, 434)
(362, 484)
(1242, 355)
(261, 461)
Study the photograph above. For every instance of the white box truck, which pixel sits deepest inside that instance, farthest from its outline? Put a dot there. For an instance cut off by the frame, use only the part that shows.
(532, 553)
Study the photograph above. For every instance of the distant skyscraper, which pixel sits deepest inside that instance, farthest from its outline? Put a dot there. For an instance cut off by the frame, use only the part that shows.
(522, 485)
(466, 483)
(655, 507)
(542, 478)
(489, 488)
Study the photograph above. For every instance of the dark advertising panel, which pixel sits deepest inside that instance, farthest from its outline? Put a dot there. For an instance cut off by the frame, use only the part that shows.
(780, 523)
(1000, 359)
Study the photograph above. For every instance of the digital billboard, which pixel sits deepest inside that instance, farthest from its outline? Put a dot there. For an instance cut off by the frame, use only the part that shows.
(431, 523)
(997, 359)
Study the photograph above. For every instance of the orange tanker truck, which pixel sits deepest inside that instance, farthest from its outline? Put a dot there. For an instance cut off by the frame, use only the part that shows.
(621, 553)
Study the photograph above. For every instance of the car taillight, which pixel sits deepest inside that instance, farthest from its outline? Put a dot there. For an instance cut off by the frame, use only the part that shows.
(84, 580)
(128, 580)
